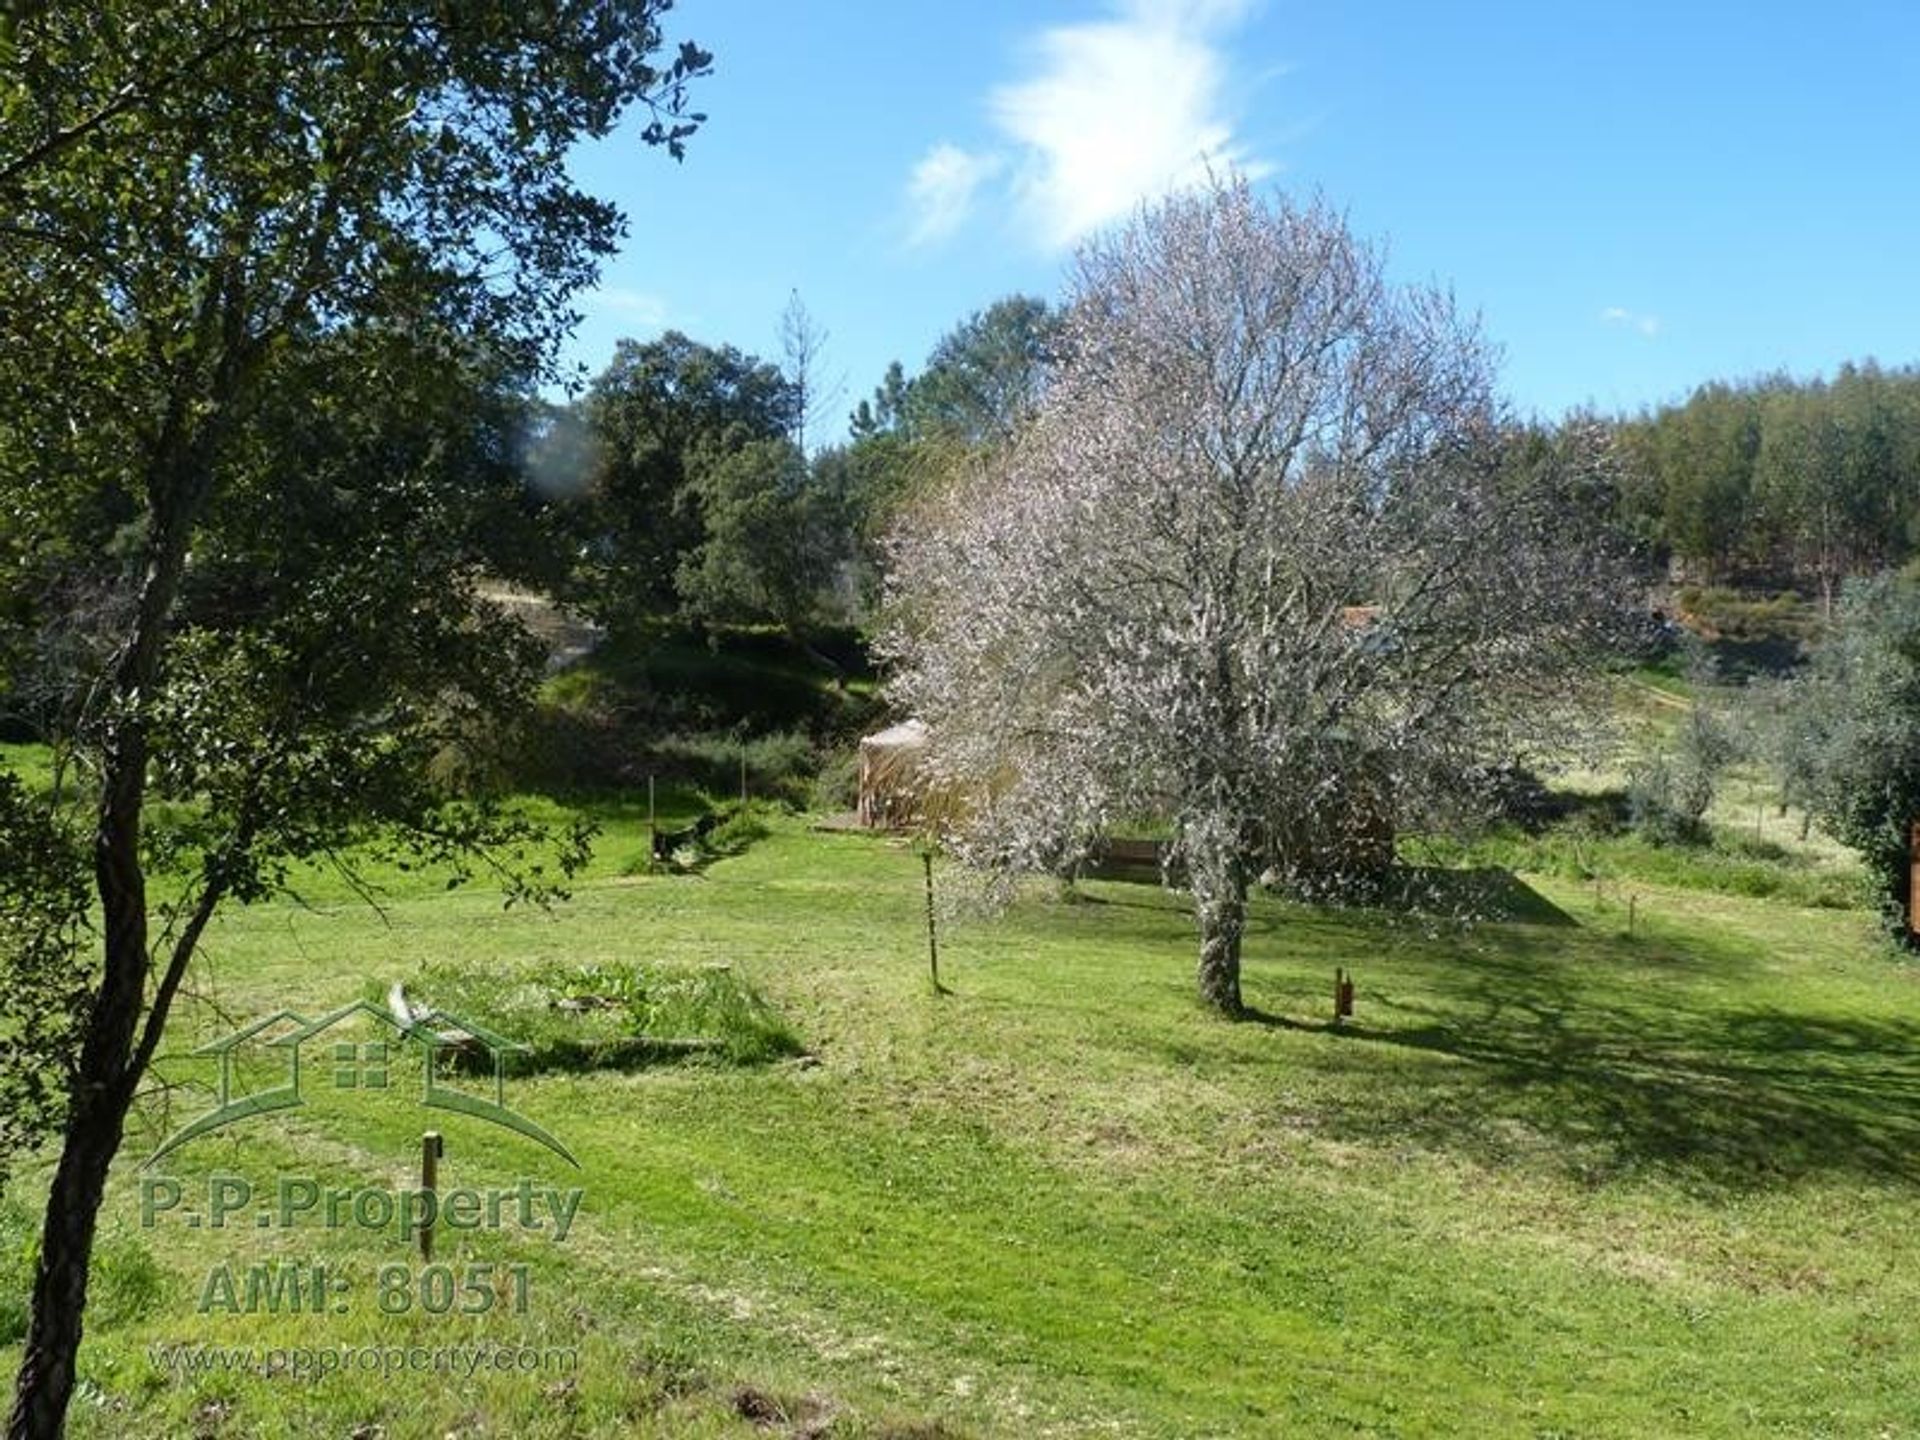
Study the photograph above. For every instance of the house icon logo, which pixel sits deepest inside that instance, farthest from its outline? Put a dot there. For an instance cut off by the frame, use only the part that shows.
(358, 1064)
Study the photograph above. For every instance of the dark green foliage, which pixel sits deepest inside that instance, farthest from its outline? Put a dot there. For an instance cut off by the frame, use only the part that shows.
(1748, 616)
(262, 262)
(776, 766)
(666, 705)
(760, 680)
(684, 484)
(984, 376)
(1855, 734)
(661, 417)
(772, 539)
(44, 974)
(864, 483)
(887, 410)
(982, 380)
(1815, 479)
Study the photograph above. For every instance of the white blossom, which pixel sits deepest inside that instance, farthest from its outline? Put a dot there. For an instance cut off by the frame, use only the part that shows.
(1261, 560)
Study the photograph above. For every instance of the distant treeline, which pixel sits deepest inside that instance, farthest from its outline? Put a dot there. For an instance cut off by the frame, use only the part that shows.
(1778, 479)
(691, 481)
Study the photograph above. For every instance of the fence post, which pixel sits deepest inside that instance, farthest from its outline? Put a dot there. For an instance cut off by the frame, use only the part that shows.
(933, 944)
(431, 1148)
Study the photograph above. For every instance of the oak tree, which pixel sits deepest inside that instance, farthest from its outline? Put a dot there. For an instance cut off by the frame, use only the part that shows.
(225, 222)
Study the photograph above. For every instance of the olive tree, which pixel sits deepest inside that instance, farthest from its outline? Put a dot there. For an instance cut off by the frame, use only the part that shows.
(250, 248)
(1851, 736)
(1262, 555)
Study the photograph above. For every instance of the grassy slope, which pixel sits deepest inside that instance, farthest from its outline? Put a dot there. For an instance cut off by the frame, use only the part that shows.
(1554, 1180)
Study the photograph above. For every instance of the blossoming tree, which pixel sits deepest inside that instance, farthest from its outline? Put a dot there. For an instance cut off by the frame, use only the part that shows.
(1266, 546)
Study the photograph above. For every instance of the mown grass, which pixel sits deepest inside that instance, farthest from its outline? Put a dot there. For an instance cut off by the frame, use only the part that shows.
(1731, 862)
(1553, 1179)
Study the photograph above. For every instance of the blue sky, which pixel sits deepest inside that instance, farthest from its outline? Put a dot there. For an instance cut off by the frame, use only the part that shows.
(1635, 197)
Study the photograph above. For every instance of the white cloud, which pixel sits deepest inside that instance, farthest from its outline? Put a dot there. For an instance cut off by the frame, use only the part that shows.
(1110, 112)
(942, 189)
(1646, 325)
(640, 307)
(1118, 111)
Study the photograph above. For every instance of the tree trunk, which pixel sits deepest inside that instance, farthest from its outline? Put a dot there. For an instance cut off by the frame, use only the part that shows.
(102, 1094)
(110, 1064)
(45, 1384)
(1220, 910)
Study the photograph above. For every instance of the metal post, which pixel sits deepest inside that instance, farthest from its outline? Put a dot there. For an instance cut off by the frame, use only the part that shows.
(933, 945)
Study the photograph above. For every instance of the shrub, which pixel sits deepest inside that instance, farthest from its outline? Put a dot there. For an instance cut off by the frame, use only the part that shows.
(1667, 803)
(1748, 615)
(778, 766)
(836, 786)
(1857, 747)
(1668, 795)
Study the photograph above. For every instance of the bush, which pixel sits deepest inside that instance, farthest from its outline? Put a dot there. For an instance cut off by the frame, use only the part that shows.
(1856, 748)
(1668, 795)
(1748, 615)
(1667, 803)
(836, 786)
(779, 766)
(743, 825)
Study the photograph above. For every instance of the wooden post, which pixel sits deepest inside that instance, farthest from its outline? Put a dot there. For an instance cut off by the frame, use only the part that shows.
(431, 1149)
(1342, 995)
(1913, 877)
(933, 944)
(743, 776)
(653, 829)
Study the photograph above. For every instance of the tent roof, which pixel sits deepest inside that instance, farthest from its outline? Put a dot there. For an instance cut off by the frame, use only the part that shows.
(907, 734)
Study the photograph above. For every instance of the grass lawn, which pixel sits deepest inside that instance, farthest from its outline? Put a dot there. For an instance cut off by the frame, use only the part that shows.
(1554, 1180)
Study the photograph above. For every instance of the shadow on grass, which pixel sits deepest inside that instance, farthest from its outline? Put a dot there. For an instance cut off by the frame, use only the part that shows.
(1538, 1063)
(1443, 892)
(1480, 893)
